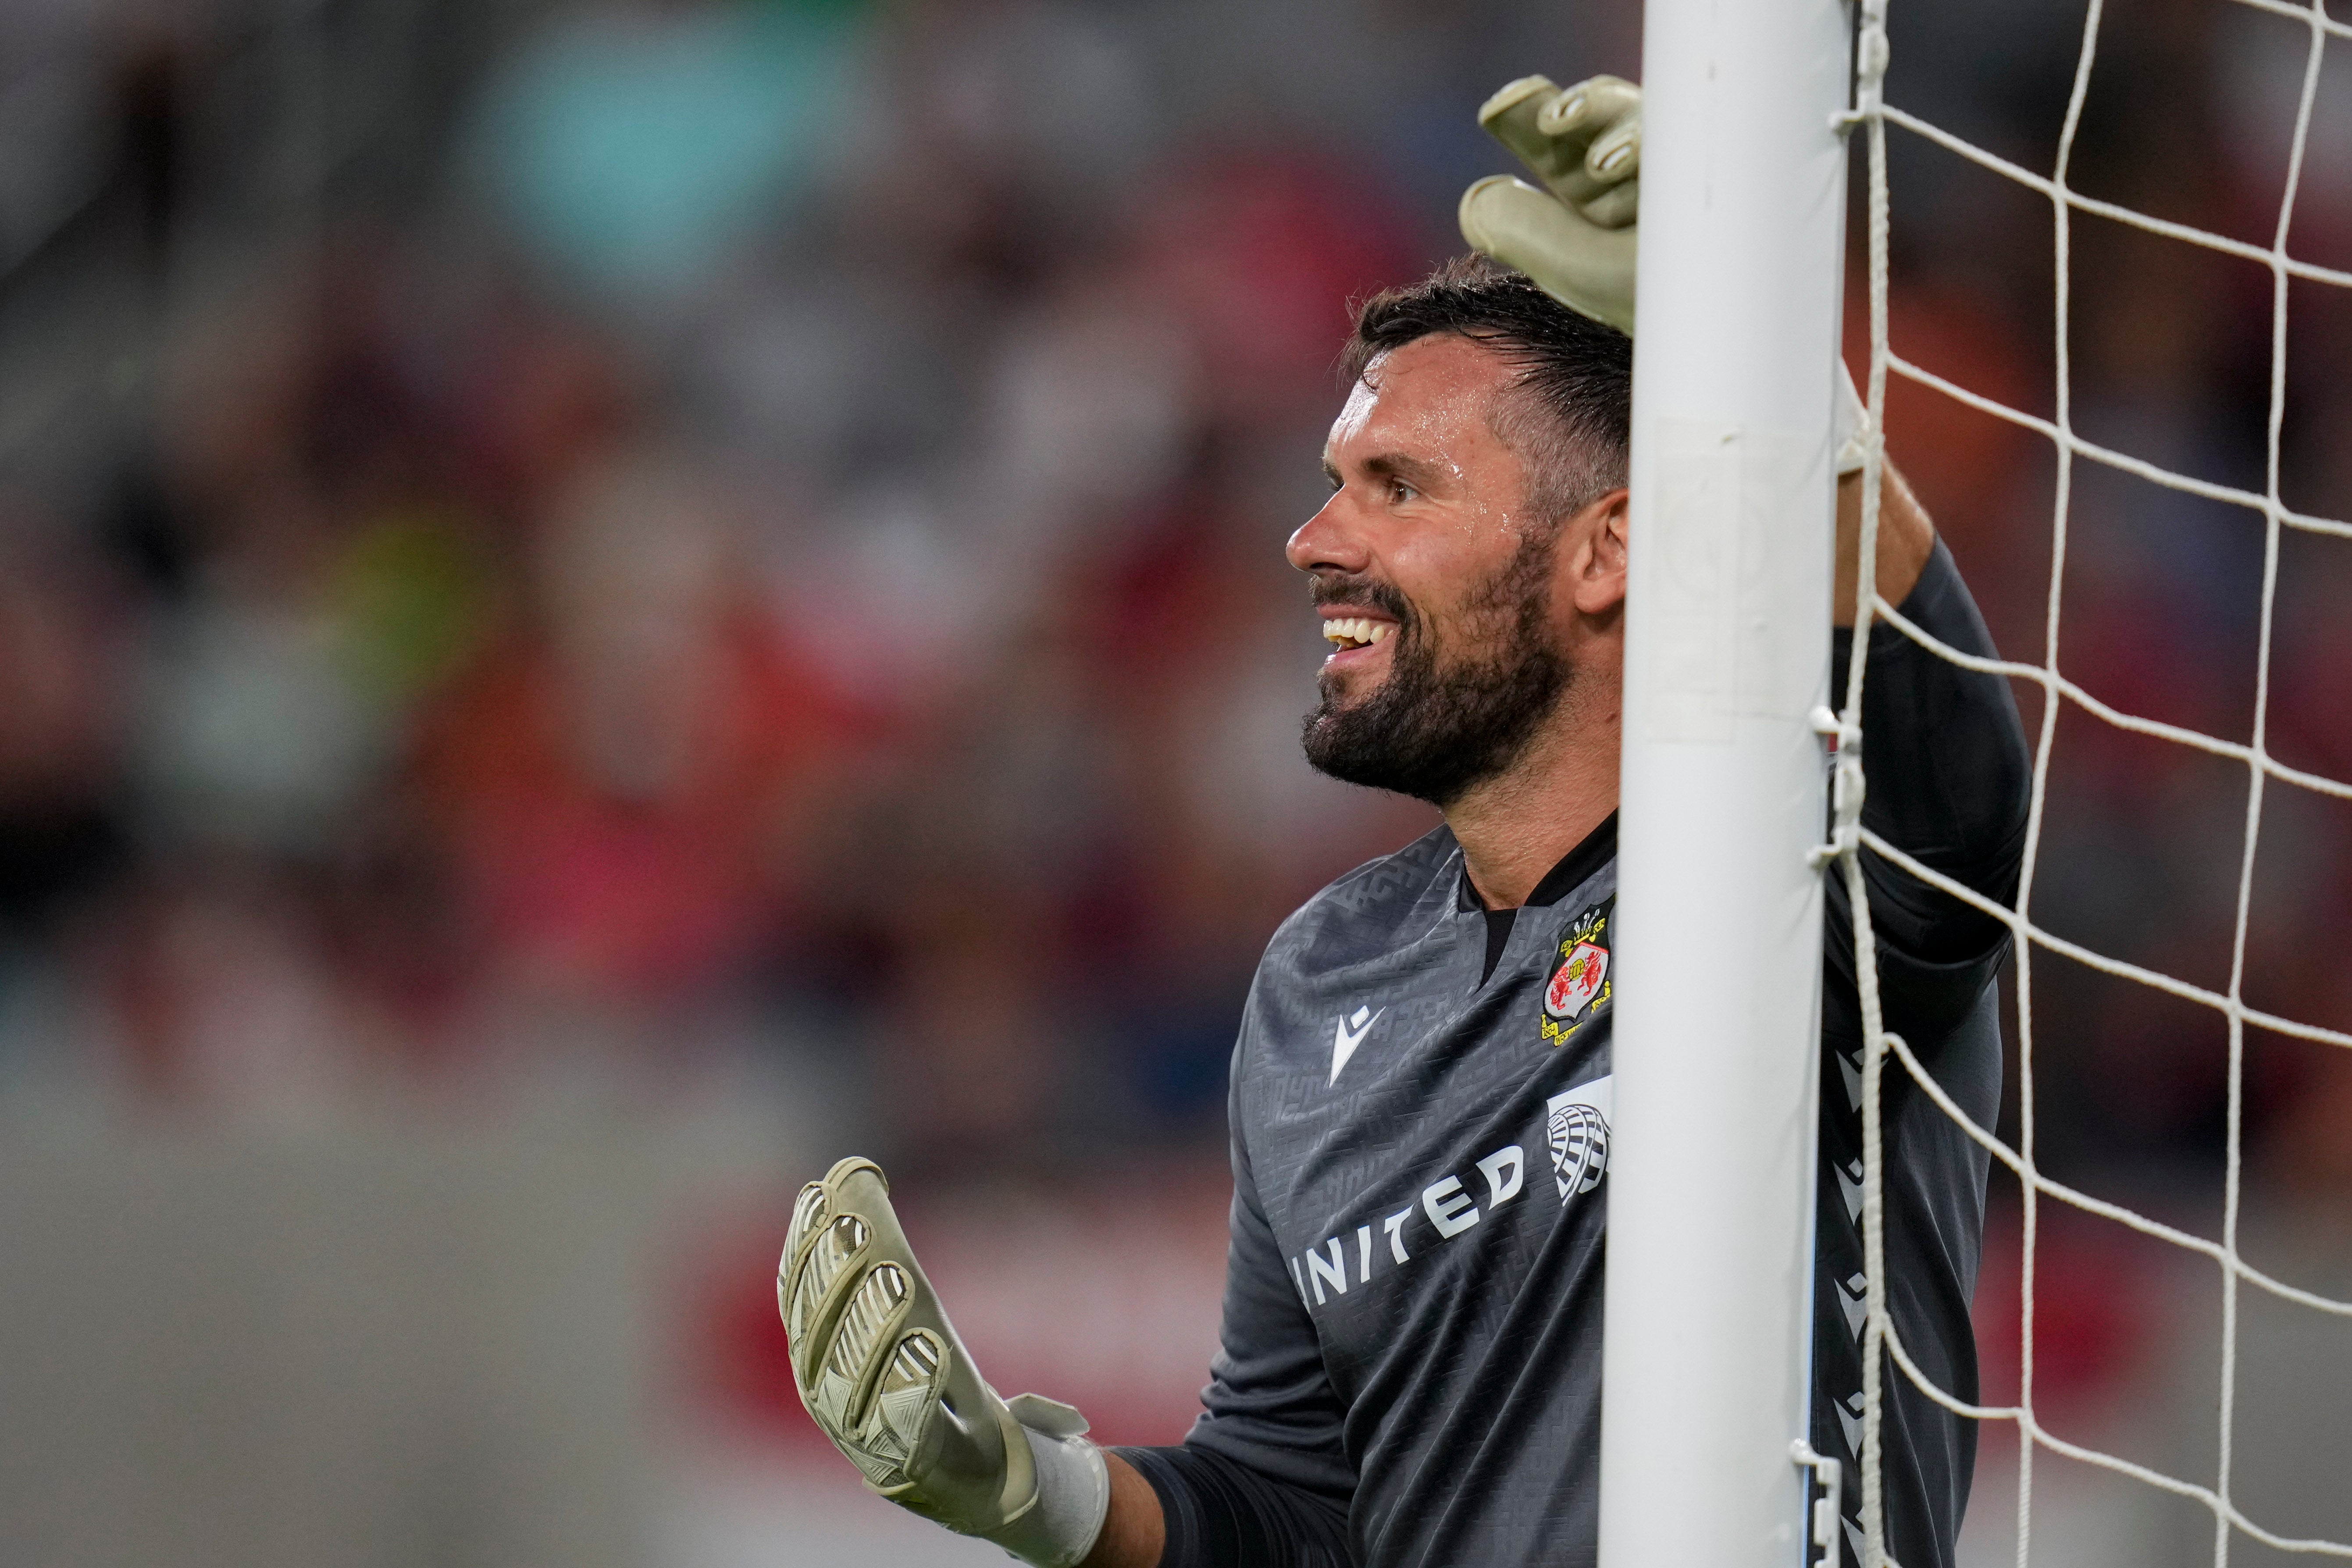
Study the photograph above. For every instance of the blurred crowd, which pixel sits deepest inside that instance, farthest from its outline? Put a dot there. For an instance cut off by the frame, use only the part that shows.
(672, 543)
(775, 548)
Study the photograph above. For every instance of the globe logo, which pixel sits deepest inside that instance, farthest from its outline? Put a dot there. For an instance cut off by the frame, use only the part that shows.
(1580, 1149)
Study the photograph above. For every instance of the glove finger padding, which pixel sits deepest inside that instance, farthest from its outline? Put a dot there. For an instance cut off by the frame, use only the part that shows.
(1585, 268)
(1584, 142)
(881, 1370)
(1575, 238)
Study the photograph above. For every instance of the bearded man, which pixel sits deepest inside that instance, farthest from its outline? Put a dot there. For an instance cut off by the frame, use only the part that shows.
(1410, 1374)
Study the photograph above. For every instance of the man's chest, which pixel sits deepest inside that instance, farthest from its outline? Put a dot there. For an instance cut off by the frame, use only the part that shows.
(1425, 1144)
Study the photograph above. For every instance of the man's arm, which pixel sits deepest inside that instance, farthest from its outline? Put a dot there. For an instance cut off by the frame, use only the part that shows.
(1263, 1480)
(1135, 1531)
(1945, 754)
(1945, 763)
(1217, 1512)
(1906, 540)
(1577, 239)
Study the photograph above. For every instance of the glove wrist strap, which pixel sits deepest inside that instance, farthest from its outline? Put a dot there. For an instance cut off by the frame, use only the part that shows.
(1060, 1528)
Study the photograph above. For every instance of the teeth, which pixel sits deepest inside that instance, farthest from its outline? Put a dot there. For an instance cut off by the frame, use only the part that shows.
(1357, 631)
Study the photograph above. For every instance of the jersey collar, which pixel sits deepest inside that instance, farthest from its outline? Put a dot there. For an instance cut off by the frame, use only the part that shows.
(1597, 848)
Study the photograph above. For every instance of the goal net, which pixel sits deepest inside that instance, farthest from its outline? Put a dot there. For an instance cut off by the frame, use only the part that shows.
(2042, 952)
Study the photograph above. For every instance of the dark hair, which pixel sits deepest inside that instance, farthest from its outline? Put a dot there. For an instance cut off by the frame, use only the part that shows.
(1573, 413)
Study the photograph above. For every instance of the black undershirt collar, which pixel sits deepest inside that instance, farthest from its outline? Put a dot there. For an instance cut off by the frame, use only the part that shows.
(1590, 855)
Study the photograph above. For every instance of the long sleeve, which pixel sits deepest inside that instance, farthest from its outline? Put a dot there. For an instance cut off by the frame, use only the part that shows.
(1222, 1514)
(1263, 1480)
(1946, 761)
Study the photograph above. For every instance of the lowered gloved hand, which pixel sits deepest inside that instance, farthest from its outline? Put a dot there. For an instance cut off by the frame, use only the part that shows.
(883, 1373)
(1576, 236)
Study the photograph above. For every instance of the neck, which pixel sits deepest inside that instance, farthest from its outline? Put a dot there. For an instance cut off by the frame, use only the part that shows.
(1521, 822)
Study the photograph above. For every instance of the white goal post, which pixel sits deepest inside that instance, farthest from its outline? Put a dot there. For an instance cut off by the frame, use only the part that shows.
(1710, 1267)
(1707, 1363)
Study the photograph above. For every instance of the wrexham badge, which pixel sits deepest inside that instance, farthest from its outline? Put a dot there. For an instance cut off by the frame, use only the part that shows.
(1579, 985)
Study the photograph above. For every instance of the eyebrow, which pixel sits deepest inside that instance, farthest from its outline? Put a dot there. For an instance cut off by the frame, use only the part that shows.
(1393, 465)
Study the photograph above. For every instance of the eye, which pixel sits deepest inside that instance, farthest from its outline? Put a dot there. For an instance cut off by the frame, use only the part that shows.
(1400, 492)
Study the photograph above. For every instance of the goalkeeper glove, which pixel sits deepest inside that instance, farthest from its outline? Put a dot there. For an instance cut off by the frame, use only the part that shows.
(1577, 242)
(883, 1373)
(1576, 239)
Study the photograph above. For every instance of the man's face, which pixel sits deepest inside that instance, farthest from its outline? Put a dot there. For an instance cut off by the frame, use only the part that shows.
(1434, 586)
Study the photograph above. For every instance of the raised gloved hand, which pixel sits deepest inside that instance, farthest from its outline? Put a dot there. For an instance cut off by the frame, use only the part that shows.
(883, 1373)
(1576, 236)
(1576, 239)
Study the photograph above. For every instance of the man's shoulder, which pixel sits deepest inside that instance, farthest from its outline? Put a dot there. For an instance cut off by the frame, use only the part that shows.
(1373, 908)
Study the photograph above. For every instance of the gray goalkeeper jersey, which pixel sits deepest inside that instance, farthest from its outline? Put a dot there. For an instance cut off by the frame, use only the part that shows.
(1421, 1106)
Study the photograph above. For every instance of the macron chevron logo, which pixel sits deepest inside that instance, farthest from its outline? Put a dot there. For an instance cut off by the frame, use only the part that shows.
(1349, 1035)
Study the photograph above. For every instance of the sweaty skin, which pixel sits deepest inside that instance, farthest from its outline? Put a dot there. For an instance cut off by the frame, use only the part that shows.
(1429, 501)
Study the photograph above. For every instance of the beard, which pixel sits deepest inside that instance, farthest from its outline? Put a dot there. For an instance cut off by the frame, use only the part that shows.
(1445, 721)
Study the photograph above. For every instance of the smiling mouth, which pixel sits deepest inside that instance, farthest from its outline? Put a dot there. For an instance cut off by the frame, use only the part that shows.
(1348, 632)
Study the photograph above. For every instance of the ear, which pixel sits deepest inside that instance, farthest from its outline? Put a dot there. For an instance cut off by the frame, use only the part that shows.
(1595, 558)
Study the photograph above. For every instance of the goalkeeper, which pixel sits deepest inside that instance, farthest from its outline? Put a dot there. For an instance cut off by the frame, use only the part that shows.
(1409, 1374)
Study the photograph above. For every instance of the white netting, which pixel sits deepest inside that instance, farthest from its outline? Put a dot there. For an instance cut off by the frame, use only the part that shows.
(1881, 1342)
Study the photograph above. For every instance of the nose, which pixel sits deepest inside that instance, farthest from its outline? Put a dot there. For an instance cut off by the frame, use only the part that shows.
(1330, 540)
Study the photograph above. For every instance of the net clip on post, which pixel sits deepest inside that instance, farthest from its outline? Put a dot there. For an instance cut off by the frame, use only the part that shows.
(1844, 743)
(1829, 1507)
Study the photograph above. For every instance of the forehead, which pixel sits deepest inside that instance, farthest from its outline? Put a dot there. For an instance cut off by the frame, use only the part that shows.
(1434, 392)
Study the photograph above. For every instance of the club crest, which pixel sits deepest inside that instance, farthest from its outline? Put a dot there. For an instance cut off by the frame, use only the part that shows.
(1580, 986)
